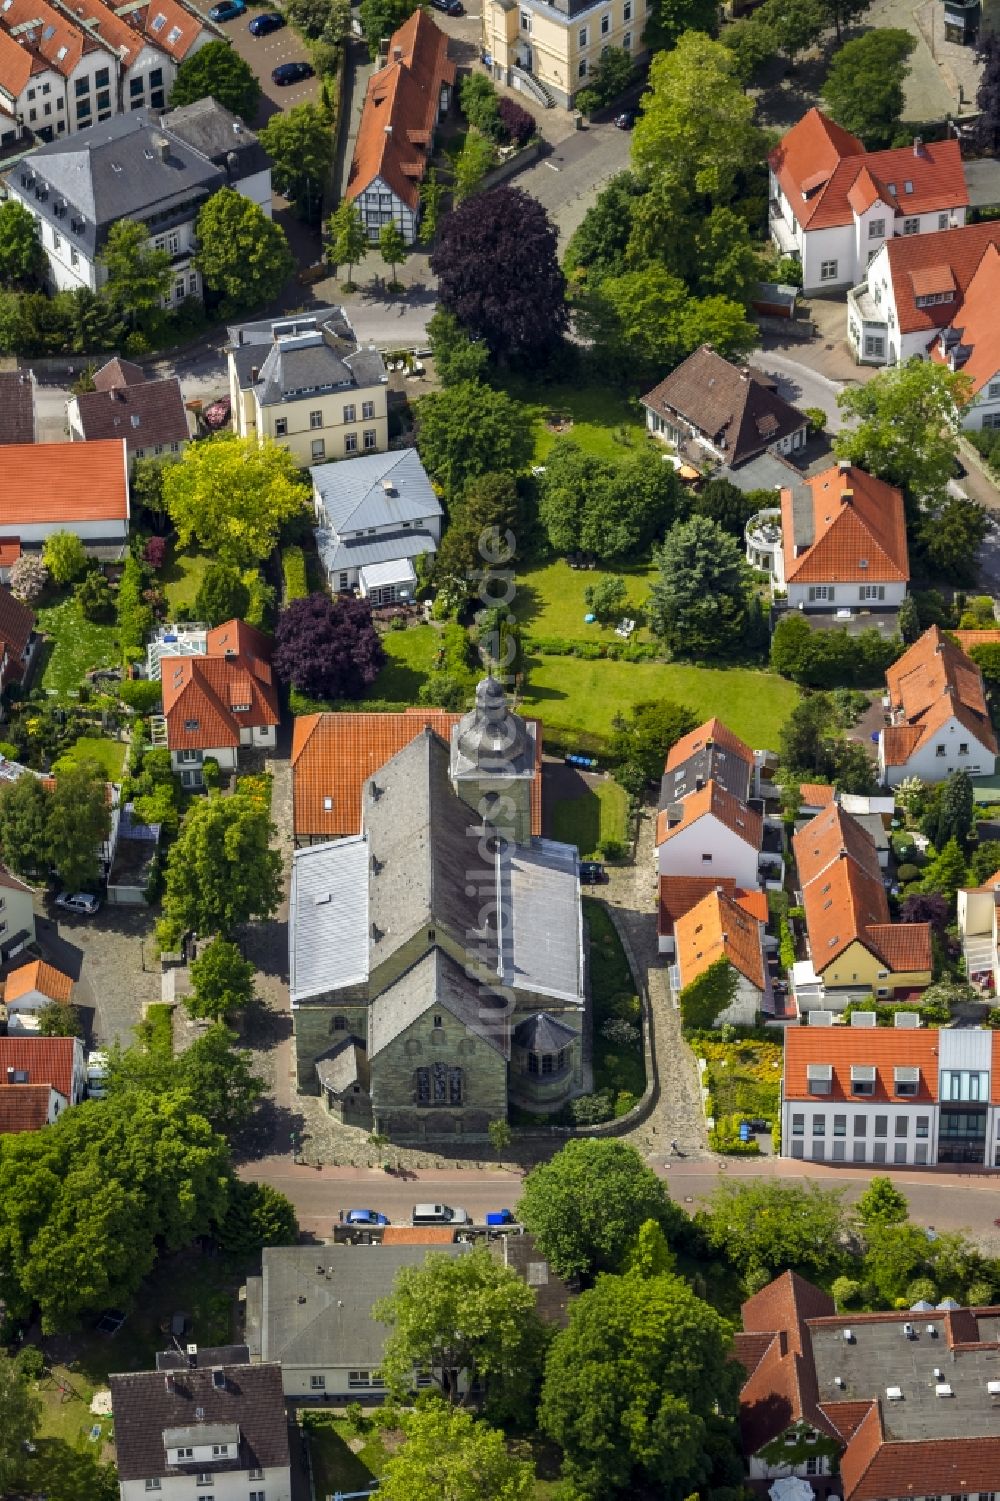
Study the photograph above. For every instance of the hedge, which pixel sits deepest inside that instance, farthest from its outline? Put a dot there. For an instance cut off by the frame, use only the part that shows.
(293, 573)
(592, 651)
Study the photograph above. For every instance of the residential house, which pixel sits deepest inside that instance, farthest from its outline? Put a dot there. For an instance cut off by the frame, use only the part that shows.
(333, 755)
(721, 926)
(374, 515)
(207, 1421)
(814, 798)
(28, 1107)
(938, 720)
(907, 1096)
(27, 991)
(17, 403)
(725, 412)
(913, 288)
(398, 983)
(310, 1312)
(17, 903)
(17, 637)
(550, 51)
(407, 98)
(307, 383)
(62, 487)
(149, 414)
(971, 344)
(833, 204)
(711, 832)
(868, 1406)
(855, 950)
(977, 924)
(216, 704)
(139, 166)
(676, 895)
(55, 1061)
(837, 541)
(711, 753)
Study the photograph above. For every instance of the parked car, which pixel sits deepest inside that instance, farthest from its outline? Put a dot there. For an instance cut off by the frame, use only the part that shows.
(263, 25)
(365, 1217)
(501, 1217)
(450, 7)
(228, 10)
(592, 873)
(626, 119)
(80, 902)
(438, 1214)
(287, 73)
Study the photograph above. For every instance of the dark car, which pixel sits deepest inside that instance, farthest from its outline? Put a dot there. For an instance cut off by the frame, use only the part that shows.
(626, 119)
(450, 7)
(287, 73)
(265, 24)
(592, 872)
(365, 1217)
(228, 10)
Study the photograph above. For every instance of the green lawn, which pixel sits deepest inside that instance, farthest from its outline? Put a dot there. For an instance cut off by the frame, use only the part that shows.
(336, 1466)
(599, 421)
(181, 577)
(744, 1076)
(578, 700)
(550, 599)
(74, 645)
(410, 656)
(107, 753)
(618, 1067)
(588, 820)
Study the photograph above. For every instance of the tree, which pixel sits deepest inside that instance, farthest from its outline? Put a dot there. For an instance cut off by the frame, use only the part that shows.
(612, 509)
(794, 24)
(380, 18)
(232, 495)
(28, 578)
(222, 595)
(955, 810)
(482, 523)
(326, 19)
(650, 1256)
(638, 316)
(864, 84)
(894, 1255)
(138, 276)
(987, 139)
(704, 1000)
(804, 741)
(65, 556)
(60, 1020)
(633, 1385)
(670, 19)
(697, 604)
(946, 872)
(457, 357)
(472, 164)
(500, 1135)
(607, 598)
(94, 597)
(392, 248)
(985, 862)
(221, 871)
(645, 737)
(882, 1204)
(243, 255)
(728, 506)
(221, 981)
(22, 259)
(299, 142)
(466, 1315)
(497, 271)
(146, 488)
(909, 620)
(469, 430)
(586, 1206)
(613, 74)
(950, 535)
(597, 248)
(257, 1216)
(79, 821)
(348, 240)
(24, 827)
(908, 419)
(328, 648)
(216, 71)
(479, 103)
(219, 1079)
(518, 122)
(767, 1227)
(22, 1413)
(449, 1456)
(843, 12)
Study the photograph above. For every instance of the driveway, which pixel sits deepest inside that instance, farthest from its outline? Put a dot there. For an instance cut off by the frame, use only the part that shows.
(108, 956)
(799, 383)
(567, 181)
(264, 53)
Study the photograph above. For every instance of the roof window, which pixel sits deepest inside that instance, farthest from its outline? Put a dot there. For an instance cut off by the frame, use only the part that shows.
(819, 1078)
(192, 724)
(158, 22)
(173, 35)
(60, 54)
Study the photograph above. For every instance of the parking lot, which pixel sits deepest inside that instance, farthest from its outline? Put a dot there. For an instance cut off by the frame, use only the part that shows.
(264, 53)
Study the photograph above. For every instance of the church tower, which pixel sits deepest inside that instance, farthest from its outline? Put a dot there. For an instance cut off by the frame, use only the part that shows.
(493, 762)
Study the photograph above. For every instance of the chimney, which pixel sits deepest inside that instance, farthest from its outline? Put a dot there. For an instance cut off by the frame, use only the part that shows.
(254, 374)
(192, 1356)
(918, 145)
(847, 497)
(699, 783)
(744, 372)
(388, 130)
(844, 465)
(162, 146)
(10, 1076)
(397, 53)
(168, 1382)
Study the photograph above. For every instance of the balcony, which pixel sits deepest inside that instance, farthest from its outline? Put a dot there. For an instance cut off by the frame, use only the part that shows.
(780, 231)
(762, 536)
(867, 327)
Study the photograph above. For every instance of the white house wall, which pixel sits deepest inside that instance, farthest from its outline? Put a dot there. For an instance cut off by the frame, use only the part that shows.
(843, 596)
(860, 1144)
(984, 411)
(929, 766)
(708, 848)
(87, 531)
(234, 1485)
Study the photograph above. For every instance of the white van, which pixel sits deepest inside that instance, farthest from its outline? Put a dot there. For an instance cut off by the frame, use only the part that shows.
(438, 1214)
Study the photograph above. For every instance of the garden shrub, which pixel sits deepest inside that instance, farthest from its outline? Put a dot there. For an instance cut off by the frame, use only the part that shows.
(293, 573)
(907, 873)
(591, 1109)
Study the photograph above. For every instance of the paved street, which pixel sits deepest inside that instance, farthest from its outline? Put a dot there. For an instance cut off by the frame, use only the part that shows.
(567, 181)
(799, 383)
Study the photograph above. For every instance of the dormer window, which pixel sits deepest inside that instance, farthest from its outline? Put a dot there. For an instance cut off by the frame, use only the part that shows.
(191, 725)
(819, 1078)
(906, 1081)
(241, 708)
(862, 1079)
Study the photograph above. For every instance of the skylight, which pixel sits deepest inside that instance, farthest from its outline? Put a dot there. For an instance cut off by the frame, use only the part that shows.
(158, 22)
(173, 35)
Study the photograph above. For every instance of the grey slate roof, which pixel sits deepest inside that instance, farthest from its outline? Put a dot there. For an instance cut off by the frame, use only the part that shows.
(337, 1285)
(543, 1033)
(542, 951)
(436, 981)
(144, 413)
(144, 1408)
(362, 552)
(214, 131)
(343, 1066)
(17, 406)
(328, 917)
(301, 354)
(353, 491)
(715, 762)
(552, 1295)
(206, 1356)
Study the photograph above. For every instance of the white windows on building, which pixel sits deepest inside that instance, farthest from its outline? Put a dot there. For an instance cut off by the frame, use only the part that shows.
(349, 413)
(351, 443)
(875, 346)
(942, 221)
(876, 229)
(583, 36)
(991, 421)
(367, 411)
(526, 21)
(828, 271)
(627, 42)
(820, 592)
(871, 591)
(317, 451)
(316, 419)
(317, 1383)
(605, 25)
(911, 226)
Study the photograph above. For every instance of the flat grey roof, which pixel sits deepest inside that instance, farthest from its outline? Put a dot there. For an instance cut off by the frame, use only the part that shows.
(543, 953)
(363, 552)
(328, 917)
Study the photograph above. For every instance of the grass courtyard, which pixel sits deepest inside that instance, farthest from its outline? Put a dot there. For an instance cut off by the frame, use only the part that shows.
(578, 700)
(181, 576)
(109, 754)
(550, 598)
(73, 646)
(587, 821)
(410, 655)
(618, 1066)
(595, 418)
(744, 1076)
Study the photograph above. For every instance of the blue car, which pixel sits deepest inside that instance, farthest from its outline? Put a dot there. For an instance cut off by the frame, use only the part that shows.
(228, 10)
(365, 1217)
(286, 73)
(265, 24)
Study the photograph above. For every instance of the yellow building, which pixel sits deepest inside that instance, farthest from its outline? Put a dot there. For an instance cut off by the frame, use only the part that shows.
(550, 51)
(305, 382)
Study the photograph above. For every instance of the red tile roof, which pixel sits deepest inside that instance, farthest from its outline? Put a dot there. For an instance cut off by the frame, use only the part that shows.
(418, 1235)
(882, 1048)
(10, 551)
(65, 482)
(16, 625)
(921, 265)
(977, 323)
(713, 730)
(828, 177)
(931, 683)
(713, 799)
(208, 700)
(168, 26)
(24, 1107)
(859, 531)
(678, 894)
(39, 976)
(46, 1060)
(118, 372)
(968, 639)
(333, 755)
(782, 1387)
(400, 111)
(719, 927)
(815, 795)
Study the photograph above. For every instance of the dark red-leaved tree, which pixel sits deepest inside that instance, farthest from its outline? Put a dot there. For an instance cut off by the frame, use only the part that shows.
(498, 273)
(328, 648)
(928, 906)
(155, 552)
(987, 131)
(517, 122)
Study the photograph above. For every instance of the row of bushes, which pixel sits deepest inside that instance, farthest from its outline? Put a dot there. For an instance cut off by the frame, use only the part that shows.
(593, 651)
(725, 1137)
(293, 573)
(932, 1014)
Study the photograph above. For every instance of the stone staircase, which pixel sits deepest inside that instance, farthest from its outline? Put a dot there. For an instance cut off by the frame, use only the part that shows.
(533, 86)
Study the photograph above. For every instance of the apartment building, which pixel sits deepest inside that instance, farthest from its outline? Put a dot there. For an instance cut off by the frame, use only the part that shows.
(549, 50)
